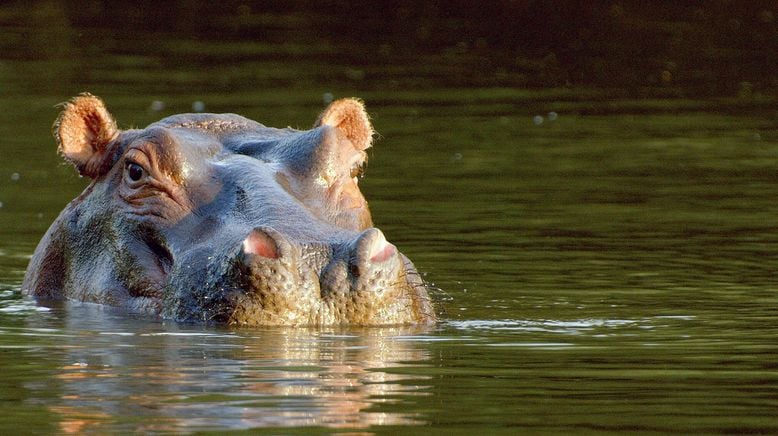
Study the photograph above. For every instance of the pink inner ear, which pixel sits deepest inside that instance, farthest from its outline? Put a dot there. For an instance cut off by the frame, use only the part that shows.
(260, 244)
(84, 131)
(348, 115)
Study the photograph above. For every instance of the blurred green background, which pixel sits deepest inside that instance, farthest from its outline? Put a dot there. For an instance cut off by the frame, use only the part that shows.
(683, 49)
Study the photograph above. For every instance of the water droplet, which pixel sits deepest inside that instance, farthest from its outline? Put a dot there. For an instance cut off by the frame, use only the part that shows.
(1, 204)
(385, 50)
(244, 10)
(457, 156)
(15, 177)
(198, 106)
(354, 74)
(552, 116)
(538, 120)
(327, 97)
(157, 106)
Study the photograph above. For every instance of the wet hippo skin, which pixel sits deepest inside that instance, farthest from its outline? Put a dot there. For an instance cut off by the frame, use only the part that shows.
(217, 218)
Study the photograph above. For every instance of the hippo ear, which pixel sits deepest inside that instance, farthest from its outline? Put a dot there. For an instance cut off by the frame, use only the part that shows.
(348, 115)
(84, 131)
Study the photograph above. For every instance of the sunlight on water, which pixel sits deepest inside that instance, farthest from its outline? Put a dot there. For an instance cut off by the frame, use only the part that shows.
(277, 377)
(567, 327)
(11, 304)
(605, 292)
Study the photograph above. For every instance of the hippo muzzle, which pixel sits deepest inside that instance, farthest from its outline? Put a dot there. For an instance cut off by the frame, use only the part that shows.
(217, 218)
(365, 281)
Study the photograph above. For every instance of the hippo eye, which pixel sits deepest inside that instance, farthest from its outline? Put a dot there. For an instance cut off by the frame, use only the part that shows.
(134, 171)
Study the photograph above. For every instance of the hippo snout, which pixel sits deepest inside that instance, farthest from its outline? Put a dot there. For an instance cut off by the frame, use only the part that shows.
(355, 281)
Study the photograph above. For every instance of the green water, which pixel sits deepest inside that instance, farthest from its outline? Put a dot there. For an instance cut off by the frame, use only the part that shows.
(611, 268)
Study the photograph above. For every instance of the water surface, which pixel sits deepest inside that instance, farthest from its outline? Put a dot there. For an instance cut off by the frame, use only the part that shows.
(602, 264)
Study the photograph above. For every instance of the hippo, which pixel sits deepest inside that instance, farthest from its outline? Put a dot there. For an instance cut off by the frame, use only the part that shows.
(216, 218)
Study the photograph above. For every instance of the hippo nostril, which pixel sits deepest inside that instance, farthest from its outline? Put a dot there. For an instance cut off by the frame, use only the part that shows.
(382, 253)
(260, 244)
(264, 242)
(371, 248)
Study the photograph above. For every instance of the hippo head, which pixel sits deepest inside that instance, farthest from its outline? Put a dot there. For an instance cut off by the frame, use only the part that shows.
(217, 218)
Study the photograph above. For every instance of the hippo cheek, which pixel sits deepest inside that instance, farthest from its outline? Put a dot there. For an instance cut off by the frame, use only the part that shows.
(327, 183)
(142, 265)
(352, 208)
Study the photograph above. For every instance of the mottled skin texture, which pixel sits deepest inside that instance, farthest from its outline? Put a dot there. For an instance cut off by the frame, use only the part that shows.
(218, 218)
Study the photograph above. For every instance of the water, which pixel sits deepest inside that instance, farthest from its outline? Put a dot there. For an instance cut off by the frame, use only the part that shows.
(611, 268)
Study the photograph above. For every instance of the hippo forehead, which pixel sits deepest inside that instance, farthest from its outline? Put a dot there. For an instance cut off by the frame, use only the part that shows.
(231, 130)
(181, 144)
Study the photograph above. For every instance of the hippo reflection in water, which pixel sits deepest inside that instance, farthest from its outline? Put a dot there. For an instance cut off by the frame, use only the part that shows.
(218, 218)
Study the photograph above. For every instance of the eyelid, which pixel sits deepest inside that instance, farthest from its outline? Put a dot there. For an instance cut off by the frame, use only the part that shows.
(138, 157)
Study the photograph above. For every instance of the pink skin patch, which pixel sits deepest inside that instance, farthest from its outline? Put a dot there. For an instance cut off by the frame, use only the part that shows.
(260, 244)
(382, 254)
